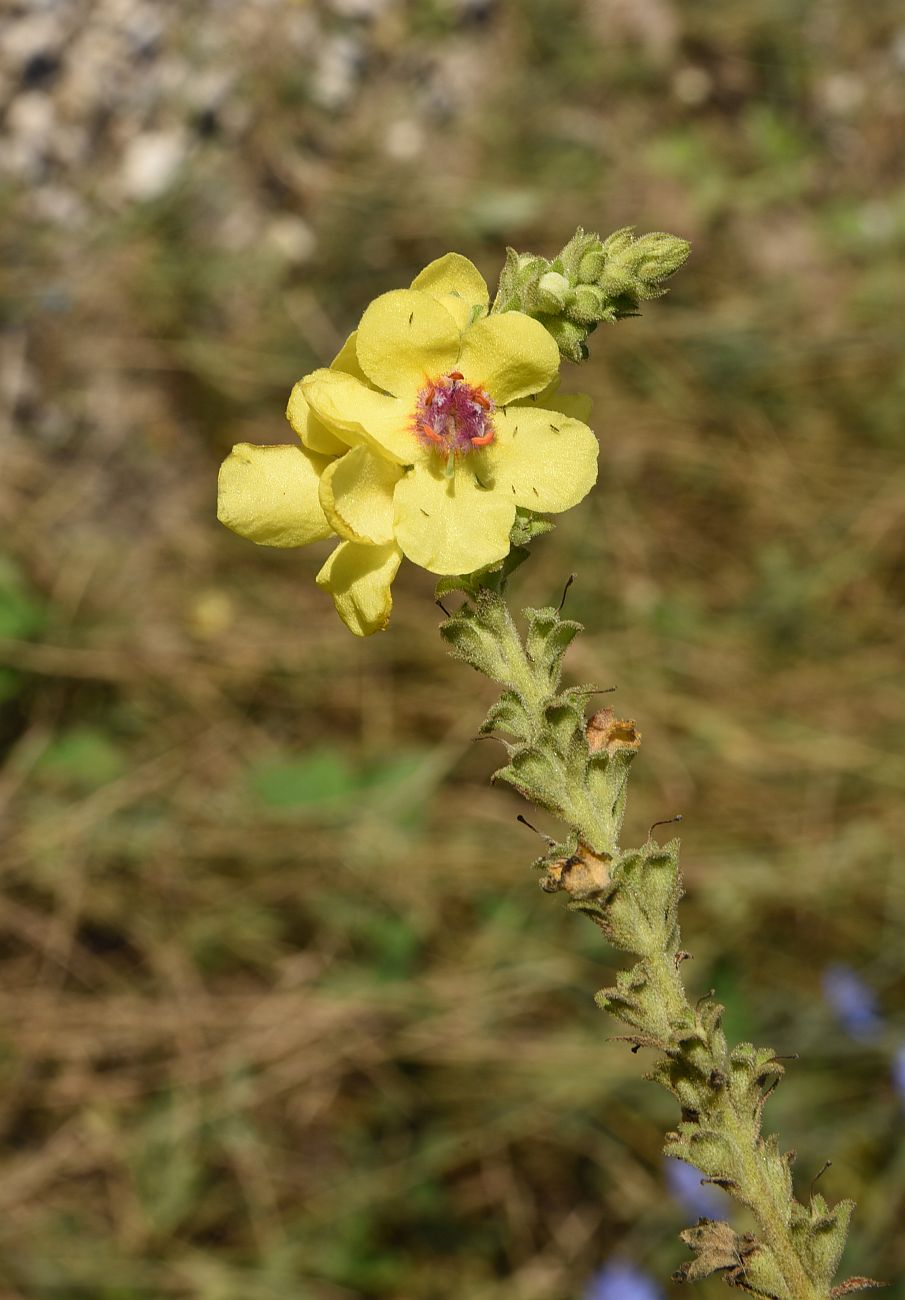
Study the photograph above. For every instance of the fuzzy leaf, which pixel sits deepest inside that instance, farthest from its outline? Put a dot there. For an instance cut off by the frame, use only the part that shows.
(536, 776)
(549, 636)
(820, 1236)
(527, 526)
(511, 714)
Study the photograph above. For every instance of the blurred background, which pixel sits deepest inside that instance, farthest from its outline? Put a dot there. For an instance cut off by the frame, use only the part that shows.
(284, 1015)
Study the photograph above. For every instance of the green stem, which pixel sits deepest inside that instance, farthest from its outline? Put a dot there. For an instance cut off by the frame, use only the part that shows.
(758, 1191)
(577, 768)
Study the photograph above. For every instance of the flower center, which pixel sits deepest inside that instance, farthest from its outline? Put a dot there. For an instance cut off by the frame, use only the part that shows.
(452, 416)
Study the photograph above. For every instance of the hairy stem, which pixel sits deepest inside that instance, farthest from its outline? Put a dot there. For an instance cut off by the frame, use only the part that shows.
(577, 767)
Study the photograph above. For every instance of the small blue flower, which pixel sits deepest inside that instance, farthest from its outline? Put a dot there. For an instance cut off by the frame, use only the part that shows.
(684, 1182)
(853, 1002)
(622, 1281)
(898, 1073)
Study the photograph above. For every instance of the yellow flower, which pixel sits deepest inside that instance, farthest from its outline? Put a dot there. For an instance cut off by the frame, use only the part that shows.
(446, 398)
(432, 425)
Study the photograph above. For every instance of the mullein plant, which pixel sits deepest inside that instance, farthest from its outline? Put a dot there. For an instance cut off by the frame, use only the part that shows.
(439, 434)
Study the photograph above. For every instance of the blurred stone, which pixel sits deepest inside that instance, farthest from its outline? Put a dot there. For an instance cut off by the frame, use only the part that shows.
(151, 162)
(364, 10)
(337, 71)
(898, 47)
(59, 205)
(239, 227)
(31, 117)
(842, 92)
(876, 220)
(404, 139)
(292, 237)
(652, 22)
(211, 614)
(30, 37)
(692, 85)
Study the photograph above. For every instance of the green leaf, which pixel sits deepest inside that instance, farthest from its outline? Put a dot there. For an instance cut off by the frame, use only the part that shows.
(322, 774)
(81, 758)
(22, 613)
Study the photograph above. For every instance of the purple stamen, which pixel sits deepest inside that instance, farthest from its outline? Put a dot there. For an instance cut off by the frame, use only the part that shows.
(453, 416)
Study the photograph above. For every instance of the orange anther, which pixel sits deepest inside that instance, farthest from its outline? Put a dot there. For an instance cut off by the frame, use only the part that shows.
(483, 440)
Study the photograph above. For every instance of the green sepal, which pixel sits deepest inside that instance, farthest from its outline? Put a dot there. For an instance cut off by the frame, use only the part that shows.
(565, 729)
(578, 256)
(819, 1232)
(608, 780)
(478, 633)
(755, 1072)
(548, 639)
(641, 911)
(708, 1149)
(527, 526)
(568, 335)
(510, 713)
(626, 999)
(689, 1086)
(534, 772)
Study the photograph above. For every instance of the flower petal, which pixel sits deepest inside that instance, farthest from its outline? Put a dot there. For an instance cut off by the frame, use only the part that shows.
(305, 423)
(540, 459)
(359, 579)
(356, 495)
(346, 359)
(313, 433)
(458, 285)
(451, 525)
(453, 273)
(405, 336)
(510, 355)
(578, 405)
(362, 415)
(269, 495)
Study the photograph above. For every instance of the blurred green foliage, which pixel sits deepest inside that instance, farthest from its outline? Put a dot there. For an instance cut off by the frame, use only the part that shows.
(284, 1016)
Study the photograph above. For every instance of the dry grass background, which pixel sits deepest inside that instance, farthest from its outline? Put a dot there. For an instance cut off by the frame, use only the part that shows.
(283, 1015)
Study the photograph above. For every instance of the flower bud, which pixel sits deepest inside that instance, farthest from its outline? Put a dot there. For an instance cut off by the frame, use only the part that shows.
(588, 304)
(570, 338)
(554, 291)
(591, 266)
(659, 255)
(529, 269)
(588, 282)
(615, 244)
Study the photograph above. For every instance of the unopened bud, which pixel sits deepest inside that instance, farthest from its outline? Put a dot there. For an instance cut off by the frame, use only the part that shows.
(570, 338)
(591, 266)
(618, 242)
(659, 255)
(528, 267)
(554, 291)
(587, 304)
